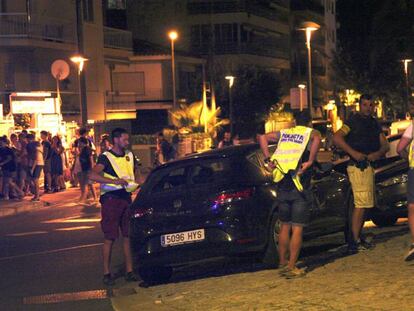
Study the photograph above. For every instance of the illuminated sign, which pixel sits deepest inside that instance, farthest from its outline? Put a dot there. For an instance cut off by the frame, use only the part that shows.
(21, 105)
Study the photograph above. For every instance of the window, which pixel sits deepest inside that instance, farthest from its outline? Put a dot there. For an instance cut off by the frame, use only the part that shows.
(117, 4)
(195, 35)
(87, 6)
(210, 172)
(129, 82)
(9, 75)
(171, 181)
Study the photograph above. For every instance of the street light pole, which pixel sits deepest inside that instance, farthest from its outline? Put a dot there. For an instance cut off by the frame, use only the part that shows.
(301, 87)
(407, 84)
(308, 27)
(231, 116)
(173, 36)
(80, 62)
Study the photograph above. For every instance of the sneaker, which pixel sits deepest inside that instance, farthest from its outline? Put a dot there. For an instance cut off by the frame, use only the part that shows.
(130, 277)
(410, 254)
(295, 273)
(352, 248)
(364, 245)
(282, 269)
(108, 280)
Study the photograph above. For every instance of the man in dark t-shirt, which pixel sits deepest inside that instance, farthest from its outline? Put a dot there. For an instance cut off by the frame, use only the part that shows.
(47, 148)
(362, 139)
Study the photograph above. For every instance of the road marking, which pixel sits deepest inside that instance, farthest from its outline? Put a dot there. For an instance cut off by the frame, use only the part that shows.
(73, 219)
(62, 297)
(75, 228)
(26, 233)
(51, 251)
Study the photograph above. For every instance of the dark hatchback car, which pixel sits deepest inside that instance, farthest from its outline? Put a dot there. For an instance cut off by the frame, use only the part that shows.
(221, 203)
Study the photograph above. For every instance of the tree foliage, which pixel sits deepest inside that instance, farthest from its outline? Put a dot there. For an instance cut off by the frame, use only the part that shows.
(374, 36)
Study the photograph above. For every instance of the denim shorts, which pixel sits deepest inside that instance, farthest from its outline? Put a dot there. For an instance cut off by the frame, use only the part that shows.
(294, 207)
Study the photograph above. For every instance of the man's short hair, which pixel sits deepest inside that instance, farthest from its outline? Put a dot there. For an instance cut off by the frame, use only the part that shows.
(302, 118)
(43, 133)
(83, 131)
(30, 136)
(116, 133)
(365, 97)
(4, 139)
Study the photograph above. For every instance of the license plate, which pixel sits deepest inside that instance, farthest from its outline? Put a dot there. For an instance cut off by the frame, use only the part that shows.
(182, 237)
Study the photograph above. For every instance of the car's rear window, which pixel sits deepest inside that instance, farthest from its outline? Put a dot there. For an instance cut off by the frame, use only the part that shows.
(167, 180)
(210, 171)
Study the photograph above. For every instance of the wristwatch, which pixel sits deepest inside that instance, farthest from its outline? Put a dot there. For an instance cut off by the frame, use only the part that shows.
(267, 160)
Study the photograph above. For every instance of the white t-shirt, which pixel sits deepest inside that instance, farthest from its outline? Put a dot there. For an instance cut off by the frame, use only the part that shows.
(408, 133)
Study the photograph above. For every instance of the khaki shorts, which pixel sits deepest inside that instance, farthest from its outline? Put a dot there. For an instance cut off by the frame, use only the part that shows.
(363, 186)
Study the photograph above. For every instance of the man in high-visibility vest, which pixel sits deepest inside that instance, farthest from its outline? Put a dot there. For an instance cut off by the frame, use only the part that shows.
(117, 172)
(408, 140)
(291, 166)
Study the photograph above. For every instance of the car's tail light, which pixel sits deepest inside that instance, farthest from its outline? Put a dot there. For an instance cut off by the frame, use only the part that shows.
(228, 197)
(141, 212)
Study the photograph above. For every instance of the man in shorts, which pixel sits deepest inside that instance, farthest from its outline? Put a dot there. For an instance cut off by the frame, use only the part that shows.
(362, 139)
(117, 172)
(291, 164)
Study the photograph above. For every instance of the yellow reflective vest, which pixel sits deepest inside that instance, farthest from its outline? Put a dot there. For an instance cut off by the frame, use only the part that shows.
(124, 168)
(290, 148)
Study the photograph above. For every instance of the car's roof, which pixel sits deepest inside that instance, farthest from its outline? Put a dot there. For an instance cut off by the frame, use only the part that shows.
(231, 151)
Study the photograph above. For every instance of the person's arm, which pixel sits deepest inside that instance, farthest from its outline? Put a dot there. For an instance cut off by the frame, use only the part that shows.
(96, 175)
(382, 151)
(405, 141)
(315, 145)
(264, 145)
(220, 145)
(339, 141)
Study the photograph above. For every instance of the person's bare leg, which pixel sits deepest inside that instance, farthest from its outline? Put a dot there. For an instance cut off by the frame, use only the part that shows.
(357, 222)
(107, 254)
(283, 243)
(93, 191)
(36, 188)
(295, 245)
(127, 255)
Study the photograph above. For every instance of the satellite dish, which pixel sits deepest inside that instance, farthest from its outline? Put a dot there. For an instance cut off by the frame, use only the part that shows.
(60, 69)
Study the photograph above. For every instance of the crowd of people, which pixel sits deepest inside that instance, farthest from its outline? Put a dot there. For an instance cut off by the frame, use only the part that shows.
(24, 157)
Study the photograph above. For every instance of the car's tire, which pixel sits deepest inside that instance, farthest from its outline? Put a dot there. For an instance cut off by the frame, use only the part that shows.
(383, 219)
(155, 274)
(271, 254)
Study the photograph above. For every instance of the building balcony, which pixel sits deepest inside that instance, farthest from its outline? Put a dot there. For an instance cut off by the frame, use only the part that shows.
(239, 6)
(129, 101)
(117, 39)
(275, 51)
(18, 25)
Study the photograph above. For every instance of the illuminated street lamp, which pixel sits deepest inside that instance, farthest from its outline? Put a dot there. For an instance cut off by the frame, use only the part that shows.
(301, 88)
(231, 82)
(173, 35)
(308, 27)
(80, 62)
(407, 84)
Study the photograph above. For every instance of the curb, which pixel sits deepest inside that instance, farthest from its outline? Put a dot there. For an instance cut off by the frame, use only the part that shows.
(21, 207)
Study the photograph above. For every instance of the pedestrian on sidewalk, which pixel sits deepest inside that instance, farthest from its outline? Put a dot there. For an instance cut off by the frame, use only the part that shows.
(36, 164)
(406, 140)
(291, 164)
(56, 164)
(47, 168)
(117, 172)
(362, 139)
(9, 169)
(86, 162)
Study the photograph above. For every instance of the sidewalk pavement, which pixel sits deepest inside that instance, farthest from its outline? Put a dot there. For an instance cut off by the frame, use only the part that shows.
(14, 207)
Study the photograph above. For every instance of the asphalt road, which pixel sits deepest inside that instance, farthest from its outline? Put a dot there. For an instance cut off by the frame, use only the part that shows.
(50, 259)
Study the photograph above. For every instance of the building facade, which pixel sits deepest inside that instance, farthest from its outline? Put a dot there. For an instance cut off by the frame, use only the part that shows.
(35, 33)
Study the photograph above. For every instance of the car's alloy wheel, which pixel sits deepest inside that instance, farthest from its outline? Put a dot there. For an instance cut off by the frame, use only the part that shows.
(271, 255)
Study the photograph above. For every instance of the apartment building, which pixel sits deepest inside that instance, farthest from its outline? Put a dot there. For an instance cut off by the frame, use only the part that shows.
(226, 33)
(35, 33)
